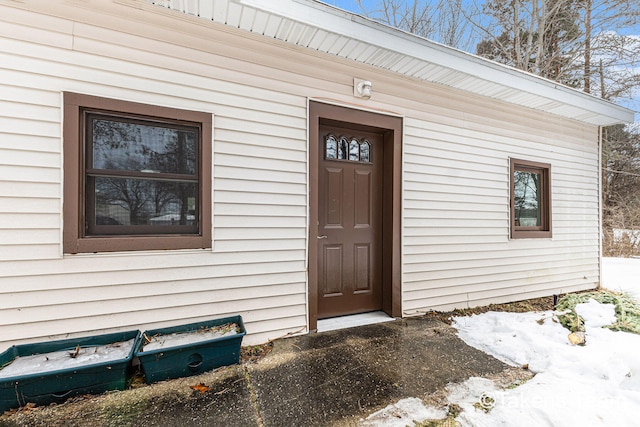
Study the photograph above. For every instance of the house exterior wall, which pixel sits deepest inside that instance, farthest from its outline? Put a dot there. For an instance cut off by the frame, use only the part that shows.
(456, 249)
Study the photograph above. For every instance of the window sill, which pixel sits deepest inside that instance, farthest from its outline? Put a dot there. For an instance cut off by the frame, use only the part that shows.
(136, 243)
(515, 235)
(142, 253)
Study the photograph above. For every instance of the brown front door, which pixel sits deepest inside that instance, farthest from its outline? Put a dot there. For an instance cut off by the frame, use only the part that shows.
(349, 237)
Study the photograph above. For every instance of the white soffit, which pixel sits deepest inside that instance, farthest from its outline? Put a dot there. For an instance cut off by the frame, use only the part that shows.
(318, 26)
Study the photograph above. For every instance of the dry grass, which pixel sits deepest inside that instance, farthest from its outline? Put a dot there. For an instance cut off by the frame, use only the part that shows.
(253, 353)
(535, 304)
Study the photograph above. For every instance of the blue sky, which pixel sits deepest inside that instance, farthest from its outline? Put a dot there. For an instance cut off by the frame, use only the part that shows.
(351, 5)
(346, 4)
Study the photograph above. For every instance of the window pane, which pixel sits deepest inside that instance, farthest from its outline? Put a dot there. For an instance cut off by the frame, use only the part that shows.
(343, 149)
(364, 152)
(125, 201)
(527, 198)
(354, 150)
(121, 145)
(331, 148)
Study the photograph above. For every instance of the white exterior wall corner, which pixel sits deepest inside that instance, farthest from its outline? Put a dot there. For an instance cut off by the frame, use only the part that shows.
(455, 246)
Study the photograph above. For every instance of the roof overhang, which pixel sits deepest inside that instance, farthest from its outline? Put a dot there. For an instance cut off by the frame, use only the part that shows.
(321, 27)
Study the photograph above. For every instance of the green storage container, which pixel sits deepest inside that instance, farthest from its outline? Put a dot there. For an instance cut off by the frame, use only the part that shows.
(91, 377)
(190, 358)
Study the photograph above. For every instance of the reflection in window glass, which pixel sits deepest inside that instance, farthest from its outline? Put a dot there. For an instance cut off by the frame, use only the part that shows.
(343, 149)
(331, 148)
(123, 145)
(127, 201)
(141, 177)
(347, 148)
(354, 150)
(527, 198)
(364, 151)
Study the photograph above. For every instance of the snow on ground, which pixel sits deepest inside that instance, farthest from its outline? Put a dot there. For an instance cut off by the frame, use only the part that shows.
(402, 414)
(593, 385)
(622, 274)
(597, 384)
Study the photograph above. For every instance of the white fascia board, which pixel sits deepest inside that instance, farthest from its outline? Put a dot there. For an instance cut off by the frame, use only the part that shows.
(315, 14)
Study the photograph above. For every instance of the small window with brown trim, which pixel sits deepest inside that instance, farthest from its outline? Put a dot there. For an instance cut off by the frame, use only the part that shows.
(137, 177)
(530, 199)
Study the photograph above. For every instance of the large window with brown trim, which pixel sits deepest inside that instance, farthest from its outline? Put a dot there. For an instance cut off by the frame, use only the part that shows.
(137, 177)
(530, 199)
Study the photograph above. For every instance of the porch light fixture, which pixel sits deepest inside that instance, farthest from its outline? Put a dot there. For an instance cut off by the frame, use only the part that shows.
(361, 88)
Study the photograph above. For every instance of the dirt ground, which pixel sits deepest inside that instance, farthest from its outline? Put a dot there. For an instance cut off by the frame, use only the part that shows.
(536, 304)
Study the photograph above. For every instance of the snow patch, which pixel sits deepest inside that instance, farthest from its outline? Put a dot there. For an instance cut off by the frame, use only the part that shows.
(595, 314)
(403, 413)
(185, 338)
(595, 385)
(474, 393)
(58, 360)
(525, 339)
(622, 275)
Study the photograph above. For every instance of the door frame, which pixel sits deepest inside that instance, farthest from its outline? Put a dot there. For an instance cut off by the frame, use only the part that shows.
(391, 128)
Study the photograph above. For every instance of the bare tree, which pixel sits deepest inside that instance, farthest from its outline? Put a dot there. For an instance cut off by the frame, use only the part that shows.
(569, 41)
(621, 199)
(602, 22)
(541, 37)
(615, 73)
(442, 21)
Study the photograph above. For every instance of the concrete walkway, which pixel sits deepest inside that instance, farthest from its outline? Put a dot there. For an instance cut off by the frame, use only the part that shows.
(327, 379)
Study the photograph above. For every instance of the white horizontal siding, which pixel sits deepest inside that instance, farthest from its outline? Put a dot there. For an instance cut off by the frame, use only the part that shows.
(30, 204)
(257, 267)
(266, 297)
(457, 250)
(455, 238)
(227, 275)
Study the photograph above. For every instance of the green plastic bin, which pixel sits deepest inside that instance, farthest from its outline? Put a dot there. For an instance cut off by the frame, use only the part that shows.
(193, 358)
(58, 385)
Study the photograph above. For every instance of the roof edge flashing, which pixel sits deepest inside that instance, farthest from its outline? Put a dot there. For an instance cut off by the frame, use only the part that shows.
(317, 14)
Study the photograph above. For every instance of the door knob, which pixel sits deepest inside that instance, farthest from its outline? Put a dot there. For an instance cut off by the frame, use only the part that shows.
(322, 237)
